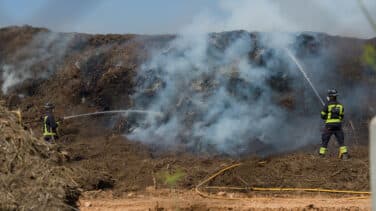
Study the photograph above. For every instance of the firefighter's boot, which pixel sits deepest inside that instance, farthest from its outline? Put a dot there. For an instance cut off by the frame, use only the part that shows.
(343, 153)
(322, 151)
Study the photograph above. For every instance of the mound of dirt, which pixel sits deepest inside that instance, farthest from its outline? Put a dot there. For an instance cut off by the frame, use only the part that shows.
(31, 174)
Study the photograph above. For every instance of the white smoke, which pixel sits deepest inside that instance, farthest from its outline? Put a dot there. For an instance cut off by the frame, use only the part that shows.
(10, 77)
(216, 95)
(217, 98)
(39, 59)
(334, 17)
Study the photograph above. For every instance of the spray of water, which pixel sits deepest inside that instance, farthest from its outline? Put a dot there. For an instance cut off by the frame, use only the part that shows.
(301, 69)
(155, 113)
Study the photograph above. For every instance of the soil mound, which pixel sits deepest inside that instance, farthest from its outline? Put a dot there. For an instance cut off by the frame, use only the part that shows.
(31, 174)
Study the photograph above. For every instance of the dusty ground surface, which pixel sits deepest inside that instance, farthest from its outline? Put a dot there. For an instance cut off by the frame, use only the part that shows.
(189, 200)
(143, 170)
(133, 166)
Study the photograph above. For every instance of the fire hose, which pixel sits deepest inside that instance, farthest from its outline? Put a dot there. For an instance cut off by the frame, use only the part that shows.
(274, 189)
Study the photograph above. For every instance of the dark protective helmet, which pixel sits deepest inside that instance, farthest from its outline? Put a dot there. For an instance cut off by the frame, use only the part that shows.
(49, 106)
(332, 93)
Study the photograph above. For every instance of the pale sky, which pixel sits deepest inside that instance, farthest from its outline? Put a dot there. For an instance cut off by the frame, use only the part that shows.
(336, 17)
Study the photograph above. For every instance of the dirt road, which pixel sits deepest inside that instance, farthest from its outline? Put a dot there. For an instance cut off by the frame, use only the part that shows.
(189, 200)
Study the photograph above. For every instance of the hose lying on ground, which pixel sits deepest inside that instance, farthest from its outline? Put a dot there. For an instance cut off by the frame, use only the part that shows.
(197, 189)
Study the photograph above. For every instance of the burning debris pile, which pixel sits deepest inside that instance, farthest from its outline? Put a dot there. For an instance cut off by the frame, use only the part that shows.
(230, 93)
(31, 174)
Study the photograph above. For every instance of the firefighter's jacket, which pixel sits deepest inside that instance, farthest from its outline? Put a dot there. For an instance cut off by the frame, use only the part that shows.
(333, 112)
(50, 126)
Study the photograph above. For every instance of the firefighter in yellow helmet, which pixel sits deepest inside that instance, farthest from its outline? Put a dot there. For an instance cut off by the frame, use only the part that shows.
(50, 125)
(333, 113)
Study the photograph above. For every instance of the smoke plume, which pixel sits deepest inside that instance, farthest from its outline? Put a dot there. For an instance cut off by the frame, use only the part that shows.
(237, 92)
(224, 92)
(39, 59)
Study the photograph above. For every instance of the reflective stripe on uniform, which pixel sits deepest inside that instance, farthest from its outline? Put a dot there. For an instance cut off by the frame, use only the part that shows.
(333, 121)
(329, 117)
(45, 129)
(322, 150)
(343, 149)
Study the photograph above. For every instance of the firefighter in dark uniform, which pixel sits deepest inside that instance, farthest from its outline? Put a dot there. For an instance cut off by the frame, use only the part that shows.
(333, 113)
(50, 125)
